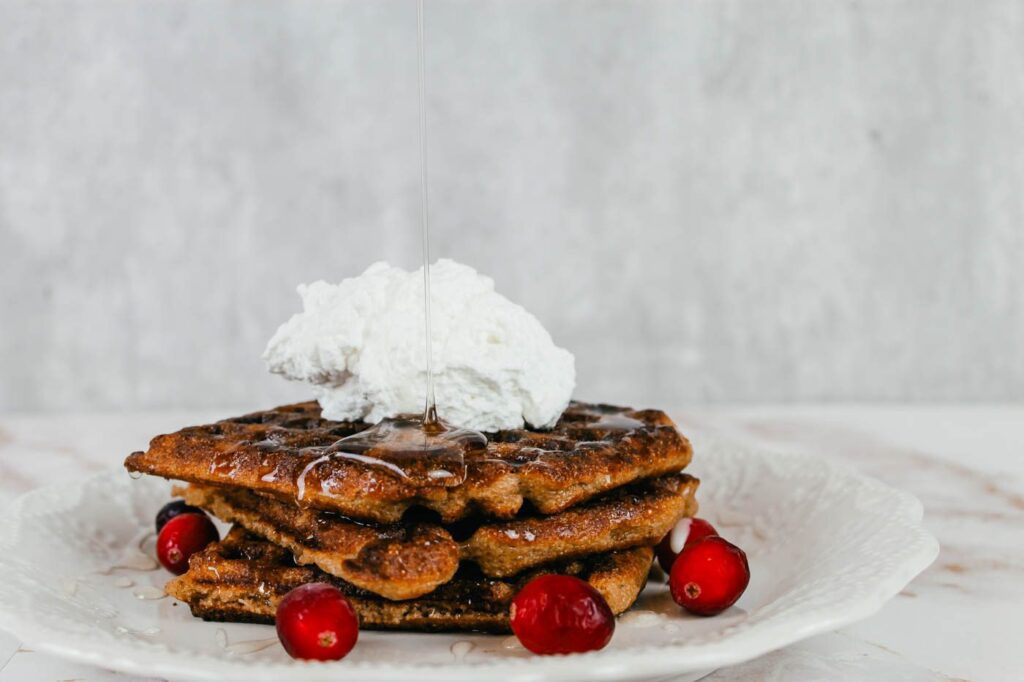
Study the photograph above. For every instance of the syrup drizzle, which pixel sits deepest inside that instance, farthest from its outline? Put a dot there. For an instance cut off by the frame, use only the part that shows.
(421, 450)
(430, 407)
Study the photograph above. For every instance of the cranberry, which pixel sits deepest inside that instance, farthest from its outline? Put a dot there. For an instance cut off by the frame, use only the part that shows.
(560, 614)
(684, 534)
(709, 576)
(183, 536)
(172, 509)
(316, 621)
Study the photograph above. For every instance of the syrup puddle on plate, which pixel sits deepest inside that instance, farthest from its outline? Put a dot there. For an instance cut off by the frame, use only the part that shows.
(510, 643)
(250, 646)
(132, 560)
(461, 649)
(642, 618)
(149, 593)
(71, 586)
(246, 646)
(145, 632)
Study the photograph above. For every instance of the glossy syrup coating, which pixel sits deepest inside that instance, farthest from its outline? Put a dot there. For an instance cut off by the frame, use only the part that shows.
(559, 614)
(291, 453)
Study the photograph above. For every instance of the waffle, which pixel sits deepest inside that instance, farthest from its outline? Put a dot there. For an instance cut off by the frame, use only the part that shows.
(242, 579)
(281, 453)
(407, 560)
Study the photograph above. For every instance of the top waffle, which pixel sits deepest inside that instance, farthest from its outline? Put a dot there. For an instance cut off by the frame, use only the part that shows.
(280, 453)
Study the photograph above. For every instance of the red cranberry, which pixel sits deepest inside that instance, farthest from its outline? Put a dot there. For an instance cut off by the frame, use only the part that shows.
(560, 614)
(172, 509)
(183, 536)
(316, 621)
(684, 534)
(709, 576)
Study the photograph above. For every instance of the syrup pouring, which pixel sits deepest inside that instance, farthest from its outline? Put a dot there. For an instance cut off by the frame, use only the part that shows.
(422, 450)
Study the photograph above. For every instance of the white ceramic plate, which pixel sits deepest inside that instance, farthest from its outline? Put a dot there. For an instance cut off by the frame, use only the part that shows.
(826, 545)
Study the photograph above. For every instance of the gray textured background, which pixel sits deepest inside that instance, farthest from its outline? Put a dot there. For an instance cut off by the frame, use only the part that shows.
(704, 200)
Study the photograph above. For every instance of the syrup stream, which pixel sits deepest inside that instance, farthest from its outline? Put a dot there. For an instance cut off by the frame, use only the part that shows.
(430, 406)
(420, 450)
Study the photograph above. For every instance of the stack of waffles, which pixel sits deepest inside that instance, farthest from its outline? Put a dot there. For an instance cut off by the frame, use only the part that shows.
(589, 498)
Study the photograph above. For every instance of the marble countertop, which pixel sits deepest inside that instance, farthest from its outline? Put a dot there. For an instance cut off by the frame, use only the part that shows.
(960, 620)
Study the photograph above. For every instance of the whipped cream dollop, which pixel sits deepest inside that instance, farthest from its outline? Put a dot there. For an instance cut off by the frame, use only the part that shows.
(362, 344)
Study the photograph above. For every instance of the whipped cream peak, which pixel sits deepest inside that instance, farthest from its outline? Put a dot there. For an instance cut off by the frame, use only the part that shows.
(361, 343)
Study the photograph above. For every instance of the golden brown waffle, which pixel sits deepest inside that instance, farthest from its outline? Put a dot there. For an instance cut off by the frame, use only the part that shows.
(281, 453)
(242, 578)
(402, 561)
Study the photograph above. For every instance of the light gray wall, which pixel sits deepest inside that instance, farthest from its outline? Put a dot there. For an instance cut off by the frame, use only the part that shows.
(704, 200)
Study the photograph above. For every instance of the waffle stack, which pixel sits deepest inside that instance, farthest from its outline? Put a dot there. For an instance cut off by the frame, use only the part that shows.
(589, 498)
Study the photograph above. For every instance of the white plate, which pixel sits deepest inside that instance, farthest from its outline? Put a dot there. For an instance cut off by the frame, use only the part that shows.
(826, 545)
